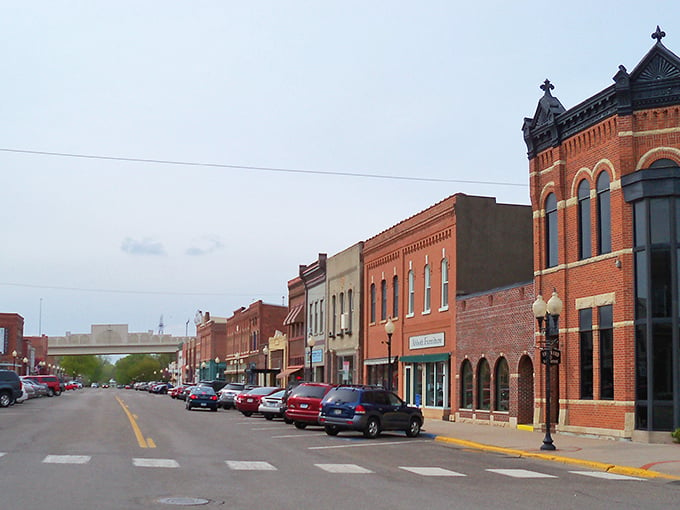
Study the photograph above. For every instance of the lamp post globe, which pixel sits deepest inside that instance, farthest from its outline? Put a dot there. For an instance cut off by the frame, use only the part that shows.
(389, 330)
(310, 343)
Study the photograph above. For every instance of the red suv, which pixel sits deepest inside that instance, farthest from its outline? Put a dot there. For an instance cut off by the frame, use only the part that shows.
(51, 381)
(304, 403)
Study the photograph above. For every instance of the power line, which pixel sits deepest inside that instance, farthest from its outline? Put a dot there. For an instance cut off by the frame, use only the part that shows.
(259, 168)
(123, 291)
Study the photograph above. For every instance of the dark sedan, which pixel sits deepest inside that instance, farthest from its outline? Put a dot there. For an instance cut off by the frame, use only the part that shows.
(202, 397)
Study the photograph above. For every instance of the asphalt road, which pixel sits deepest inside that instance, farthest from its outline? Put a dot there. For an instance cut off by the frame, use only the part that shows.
(125, 450)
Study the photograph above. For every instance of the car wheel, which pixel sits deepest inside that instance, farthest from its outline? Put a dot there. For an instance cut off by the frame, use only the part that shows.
(57, 393)
(50, 392)
(247, 413)
(413, 428)
(5, 399)
(287, 420)
(213, 409)
(331, 430)
(372, 429)
(300, 425)
(269, 417)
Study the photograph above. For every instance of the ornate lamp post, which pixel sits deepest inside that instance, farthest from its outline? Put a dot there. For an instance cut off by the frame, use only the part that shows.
(25, 361)
(550, 352)
(14, 360)
(310, 344)
(389, 329)
(217, 367)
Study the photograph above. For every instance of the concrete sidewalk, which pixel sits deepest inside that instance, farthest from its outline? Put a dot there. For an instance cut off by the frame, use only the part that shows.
(615, 456)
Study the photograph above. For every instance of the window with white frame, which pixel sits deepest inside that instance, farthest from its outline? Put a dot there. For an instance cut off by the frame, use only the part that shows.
(411, 292)
(428, 290)
(445, 284)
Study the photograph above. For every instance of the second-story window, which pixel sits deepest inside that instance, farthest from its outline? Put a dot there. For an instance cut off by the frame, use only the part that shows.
(604, 227)
(373, 302)
(428, 289)
(551, 234)
(395, 296)
(383, 300)
(350, 309)
(411, 292)
(334, 312)
(584, 250)
(445, 284)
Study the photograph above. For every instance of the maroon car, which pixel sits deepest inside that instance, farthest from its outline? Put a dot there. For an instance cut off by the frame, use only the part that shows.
(248, 401)
(304, 403)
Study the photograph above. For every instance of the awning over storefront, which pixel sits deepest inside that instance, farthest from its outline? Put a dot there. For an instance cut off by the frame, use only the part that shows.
(292, 315)
(426, 358)
(289, 370)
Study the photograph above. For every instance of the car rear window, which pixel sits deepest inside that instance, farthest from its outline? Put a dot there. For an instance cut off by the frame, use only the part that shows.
(306, 391)
(233, 386)
(203, 390)
(261, 391)
(345, 395)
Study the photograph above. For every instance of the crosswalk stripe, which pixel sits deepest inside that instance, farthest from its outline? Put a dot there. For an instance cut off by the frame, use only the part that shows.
(164, 463)
(2, 454)
(249, 465)
(605, 475)
(67, 459)
(431, 471)
(520, 473)
(343, 468)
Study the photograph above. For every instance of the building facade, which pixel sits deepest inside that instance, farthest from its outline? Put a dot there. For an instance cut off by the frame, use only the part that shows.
(296, 333)
(314, 278)
(412, 274)
(605, 193)
(343, 302)
(11, 341)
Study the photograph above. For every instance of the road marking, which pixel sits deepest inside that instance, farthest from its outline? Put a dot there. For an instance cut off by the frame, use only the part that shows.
(605, 475)
(67, 459)
(150, 442)
(164, 463)
(343, 468)
(143, 443)
(520, 473)
(238, 465)
(266, 428)
(2, 454)
(298, 435)
(431, 471)
(360, 445)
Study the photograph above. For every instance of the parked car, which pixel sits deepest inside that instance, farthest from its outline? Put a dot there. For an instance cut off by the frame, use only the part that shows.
(228, 393)
(249, 402)
(369, 410)
(161, 388)
(52, 382)
(203, 397)
(36, 389)
(304, 402)
(70, 385)
(271, 405)
(10, 388)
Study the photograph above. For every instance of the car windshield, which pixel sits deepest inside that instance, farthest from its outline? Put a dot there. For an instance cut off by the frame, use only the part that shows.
(278, 394)
(262, 391)
(346, 395)
(309, 391)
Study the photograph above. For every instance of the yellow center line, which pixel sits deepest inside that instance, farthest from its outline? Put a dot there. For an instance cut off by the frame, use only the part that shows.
(143, 443)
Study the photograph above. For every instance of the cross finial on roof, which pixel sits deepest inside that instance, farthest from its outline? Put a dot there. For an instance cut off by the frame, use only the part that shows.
(659, 34)
(547, 86)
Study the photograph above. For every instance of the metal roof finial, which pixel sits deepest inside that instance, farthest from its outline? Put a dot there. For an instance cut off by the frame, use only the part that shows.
(547, 86)
(658, 35)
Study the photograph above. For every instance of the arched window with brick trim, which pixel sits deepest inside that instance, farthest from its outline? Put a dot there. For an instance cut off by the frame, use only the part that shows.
(466, 385)
(604, 222)
(502, 386)
(551, 255)
(584, 244)
(483, 385)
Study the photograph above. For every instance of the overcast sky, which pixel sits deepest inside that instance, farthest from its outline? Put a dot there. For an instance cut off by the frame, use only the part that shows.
(389, 91)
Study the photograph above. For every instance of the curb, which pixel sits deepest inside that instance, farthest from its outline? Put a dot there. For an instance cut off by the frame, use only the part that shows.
(602, 466)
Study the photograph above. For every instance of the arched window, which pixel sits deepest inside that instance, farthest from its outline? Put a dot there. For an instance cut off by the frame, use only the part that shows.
(604, 223)
(411, 292)
(395, 296)
(445, 284)
(584, 250)
(502, 386)
(466, 385)
(483, 385)
(428, 289)
(350, 309)
(551, 230)
(373, 302)
(383, 300)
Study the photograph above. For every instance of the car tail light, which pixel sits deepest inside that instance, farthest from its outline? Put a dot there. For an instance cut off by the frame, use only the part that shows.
(359, 409)
(192, 397)
(214, 397)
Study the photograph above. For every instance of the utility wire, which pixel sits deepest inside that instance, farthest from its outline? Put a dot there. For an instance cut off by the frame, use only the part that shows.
(259, 168)
(121, 291)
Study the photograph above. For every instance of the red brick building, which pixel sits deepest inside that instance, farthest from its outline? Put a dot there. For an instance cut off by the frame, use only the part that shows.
(495, 353)
(412, 274)
(11, 341)
(296, 332)
(211, 340)
(605, 193)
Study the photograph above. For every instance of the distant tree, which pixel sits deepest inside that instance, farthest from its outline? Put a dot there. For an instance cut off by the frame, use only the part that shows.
(87, 367)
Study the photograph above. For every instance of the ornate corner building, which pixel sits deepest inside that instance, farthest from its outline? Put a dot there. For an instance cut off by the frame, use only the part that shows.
(605, 194)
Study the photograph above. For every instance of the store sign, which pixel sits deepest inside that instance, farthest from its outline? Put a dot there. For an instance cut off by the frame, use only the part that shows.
(425, 341)
(317, 356)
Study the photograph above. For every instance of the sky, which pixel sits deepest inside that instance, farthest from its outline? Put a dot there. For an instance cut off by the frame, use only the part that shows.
(165, 156)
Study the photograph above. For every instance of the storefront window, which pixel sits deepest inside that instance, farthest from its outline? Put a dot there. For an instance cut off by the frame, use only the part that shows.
(435, 379)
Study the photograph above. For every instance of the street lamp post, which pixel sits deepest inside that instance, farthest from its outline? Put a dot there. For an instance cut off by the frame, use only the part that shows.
(550, 352)
(14, 360)
(217, 367)
(310, 344)
(265, 351)
(25, 360)
(389, 329)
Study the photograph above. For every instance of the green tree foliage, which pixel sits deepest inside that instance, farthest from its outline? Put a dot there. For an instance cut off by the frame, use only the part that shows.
(141, 367)
(89, 368)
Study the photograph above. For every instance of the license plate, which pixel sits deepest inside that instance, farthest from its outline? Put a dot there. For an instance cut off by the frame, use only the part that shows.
(203, 404)
(249, 400)
(304, 406)
(337, 411)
